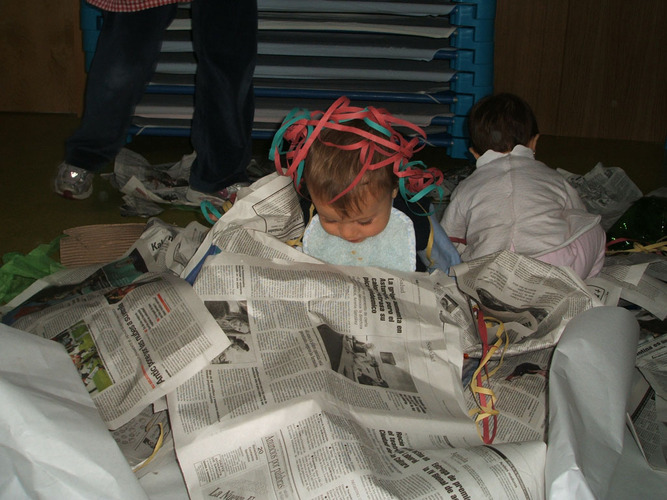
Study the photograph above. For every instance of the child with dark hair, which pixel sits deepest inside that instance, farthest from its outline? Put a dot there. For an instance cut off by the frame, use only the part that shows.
(513, 202)
(352, 165)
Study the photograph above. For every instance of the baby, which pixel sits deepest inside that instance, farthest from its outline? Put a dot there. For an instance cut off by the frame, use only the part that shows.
(352, 165)
(513, 202)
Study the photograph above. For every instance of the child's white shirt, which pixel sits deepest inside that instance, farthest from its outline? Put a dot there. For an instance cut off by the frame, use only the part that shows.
(513, 202)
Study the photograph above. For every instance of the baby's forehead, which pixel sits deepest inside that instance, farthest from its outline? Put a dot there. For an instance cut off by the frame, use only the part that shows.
(360, 207)
(366, 193)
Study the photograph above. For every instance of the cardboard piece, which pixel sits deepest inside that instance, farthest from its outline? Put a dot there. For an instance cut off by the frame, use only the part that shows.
(98, 243)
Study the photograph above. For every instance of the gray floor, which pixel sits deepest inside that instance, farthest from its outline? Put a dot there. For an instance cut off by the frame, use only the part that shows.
(32, 146)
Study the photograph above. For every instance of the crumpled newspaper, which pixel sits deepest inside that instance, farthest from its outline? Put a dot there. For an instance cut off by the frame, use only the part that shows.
(147, 187)
(607, 191)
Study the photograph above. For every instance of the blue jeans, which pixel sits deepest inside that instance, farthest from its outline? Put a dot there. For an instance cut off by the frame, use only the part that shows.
(225, 41)
(125, 57)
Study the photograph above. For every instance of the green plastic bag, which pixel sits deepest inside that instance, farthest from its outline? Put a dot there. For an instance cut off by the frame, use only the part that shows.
(19, 271)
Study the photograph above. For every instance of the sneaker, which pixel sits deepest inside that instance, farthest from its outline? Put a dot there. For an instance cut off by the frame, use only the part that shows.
(258, 169)
(218, 198)
(73, 182)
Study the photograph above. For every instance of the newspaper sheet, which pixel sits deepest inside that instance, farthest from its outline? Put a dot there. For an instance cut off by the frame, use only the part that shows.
(171, 247)
(270, 211)
(310, 450)
(134, 336)
(648, 427)
(519, 384)
(146, 187)
(340, 381)
(520, 388)
(146, 440)
(607, 191)
(649, 420)
(635, 284)
(651, 357)
(534, 300)
(373, 327)
(329, 381)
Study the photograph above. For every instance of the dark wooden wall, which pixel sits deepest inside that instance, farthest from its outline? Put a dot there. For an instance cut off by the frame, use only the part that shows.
(41, 56)
(590, 68)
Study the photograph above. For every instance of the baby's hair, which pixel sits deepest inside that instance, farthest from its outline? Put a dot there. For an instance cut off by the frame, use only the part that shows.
(500, 122)
(376, 145)
(330, 168)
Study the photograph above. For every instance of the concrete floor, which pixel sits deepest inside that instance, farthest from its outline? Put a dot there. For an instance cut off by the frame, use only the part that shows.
(32, 146)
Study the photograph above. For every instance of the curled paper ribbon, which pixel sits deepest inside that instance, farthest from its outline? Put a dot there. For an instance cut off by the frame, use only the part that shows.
(158, 445)
(301, 128)
(485, 397)
(659, 247)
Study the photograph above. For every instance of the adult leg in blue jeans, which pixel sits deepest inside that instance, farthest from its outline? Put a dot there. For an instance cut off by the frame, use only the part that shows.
(124, 61)
(225, 41)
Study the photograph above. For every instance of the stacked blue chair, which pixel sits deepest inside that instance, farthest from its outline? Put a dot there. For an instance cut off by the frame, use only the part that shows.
(427, 61)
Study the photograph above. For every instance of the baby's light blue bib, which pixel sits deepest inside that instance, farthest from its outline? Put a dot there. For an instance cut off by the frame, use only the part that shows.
(394, 248)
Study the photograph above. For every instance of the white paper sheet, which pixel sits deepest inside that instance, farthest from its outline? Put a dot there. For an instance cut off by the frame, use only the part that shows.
(589, 385)
(53, 444)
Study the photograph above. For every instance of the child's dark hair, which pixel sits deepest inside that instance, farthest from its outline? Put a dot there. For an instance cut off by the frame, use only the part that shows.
(500, 122)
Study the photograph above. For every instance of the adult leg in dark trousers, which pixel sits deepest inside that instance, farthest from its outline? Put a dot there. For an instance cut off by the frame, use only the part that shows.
(124, 61)
(224, 35)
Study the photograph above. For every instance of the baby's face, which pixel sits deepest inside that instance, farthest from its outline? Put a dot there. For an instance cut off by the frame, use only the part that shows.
(370, 220)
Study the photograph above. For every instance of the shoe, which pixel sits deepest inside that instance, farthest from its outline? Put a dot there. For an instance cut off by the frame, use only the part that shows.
(73, 182)
(258, 169)
(217, 198)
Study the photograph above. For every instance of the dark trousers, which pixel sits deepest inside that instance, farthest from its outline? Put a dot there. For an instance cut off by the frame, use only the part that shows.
(225, 41)
(124, 61)
(224, 34)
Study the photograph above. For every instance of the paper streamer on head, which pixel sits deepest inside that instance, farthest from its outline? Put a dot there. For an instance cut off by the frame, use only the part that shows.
(301, 128)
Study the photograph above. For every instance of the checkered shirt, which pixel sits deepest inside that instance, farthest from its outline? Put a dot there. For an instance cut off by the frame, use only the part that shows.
(129, 5)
